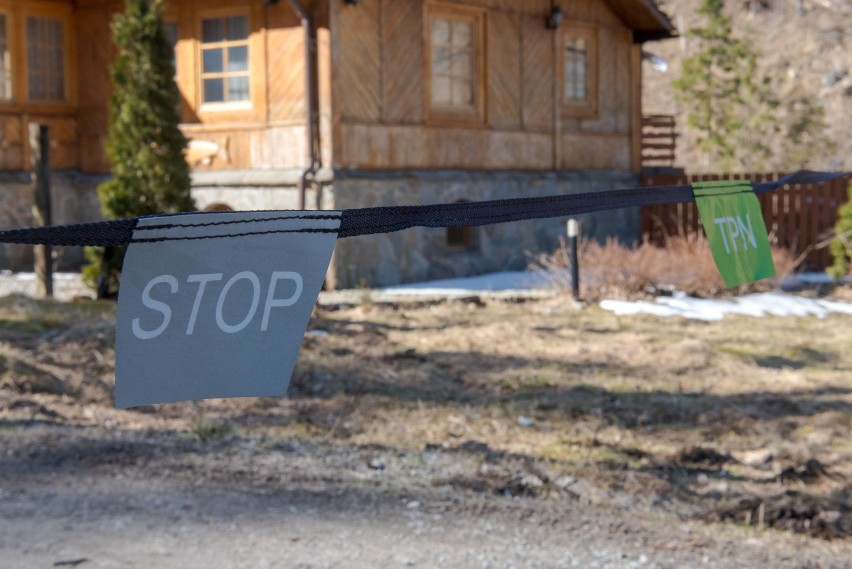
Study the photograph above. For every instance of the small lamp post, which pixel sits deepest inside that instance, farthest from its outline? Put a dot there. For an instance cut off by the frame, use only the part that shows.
(573, 227)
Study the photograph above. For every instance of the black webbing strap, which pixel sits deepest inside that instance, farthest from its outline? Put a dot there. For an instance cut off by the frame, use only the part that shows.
(367, 221)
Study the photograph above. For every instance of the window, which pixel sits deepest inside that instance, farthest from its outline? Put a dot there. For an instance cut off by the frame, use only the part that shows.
(460, 238)
(225, 59)
(455, 52)
(452, 63)
(5, 61)
(45, 59)
(576, 69)
(579, 56)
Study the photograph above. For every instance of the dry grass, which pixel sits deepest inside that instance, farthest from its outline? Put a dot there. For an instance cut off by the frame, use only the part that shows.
(743, 421)
(639, 406)
(613, 269)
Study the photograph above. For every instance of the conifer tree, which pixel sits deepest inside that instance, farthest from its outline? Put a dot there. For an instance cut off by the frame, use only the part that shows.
(728, 107)
(841, 247)
(145, 145)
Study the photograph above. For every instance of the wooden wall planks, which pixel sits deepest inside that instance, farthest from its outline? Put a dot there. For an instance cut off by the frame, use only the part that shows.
(504, 70)
(538, 72)
(402, 79)
(359, 67)
(372, 96)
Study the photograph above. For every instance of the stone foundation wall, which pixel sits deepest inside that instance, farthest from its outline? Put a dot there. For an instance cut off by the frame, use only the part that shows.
(423, 254)
(248, 190)
(74, 200)
(416, 254)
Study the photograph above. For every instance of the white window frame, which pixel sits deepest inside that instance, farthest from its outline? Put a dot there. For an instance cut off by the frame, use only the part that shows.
(226, 105)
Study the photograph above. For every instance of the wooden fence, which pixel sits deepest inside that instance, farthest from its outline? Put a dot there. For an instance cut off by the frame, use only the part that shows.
(659, 140)
(799, 217)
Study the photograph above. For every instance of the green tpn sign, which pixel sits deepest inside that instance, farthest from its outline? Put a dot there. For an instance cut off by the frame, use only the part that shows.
(735, 229)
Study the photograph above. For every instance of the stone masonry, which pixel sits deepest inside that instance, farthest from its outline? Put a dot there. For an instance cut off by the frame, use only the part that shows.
(420, 254)
(74, 199)
(416, 254)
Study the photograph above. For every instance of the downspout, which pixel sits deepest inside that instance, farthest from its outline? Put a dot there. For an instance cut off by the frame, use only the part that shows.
(557, 107)
(312, 101)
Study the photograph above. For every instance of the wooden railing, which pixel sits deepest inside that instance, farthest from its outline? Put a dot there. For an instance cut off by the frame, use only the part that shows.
(659, 138)
(799, 217)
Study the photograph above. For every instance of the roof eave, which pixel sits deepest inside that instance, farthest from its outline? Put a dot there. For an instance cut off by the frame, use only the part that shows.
(647, 21)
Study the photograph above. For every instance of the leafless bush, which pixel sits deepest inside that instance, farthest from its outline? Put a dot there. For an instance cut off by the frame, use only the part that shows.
(612, 269)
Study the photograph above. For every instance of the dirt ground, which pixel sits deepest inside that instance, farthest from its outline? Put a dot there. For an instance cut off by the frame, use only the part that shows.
(466, 433)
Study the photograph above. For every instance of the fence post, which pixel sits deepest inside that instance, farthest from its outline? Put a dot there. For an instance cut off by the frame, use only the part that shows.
(40, 165)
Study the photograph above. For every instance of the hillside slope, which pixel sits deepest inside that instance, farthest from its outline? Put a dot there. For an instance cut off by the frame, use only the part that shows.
(805, 48)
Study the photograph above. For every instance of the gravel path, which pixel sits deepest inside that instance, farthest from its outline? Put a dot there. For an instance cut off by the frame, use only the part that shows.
(159, 499)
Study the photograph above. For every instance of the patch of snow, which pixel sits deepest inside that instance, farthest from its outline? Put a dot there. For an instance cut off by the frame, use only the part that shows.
(69, 285)
(796, 279)
(756, 305)
(506, 280)
(66, 286)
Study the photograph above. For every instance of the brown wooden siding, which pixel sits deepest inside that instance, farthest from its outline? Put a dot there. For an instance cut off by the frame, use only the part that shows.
(538, 70)
(594, 151)
(241, 144)
(379, 97)
(15, 149)
(359, 61)
(402, 80)
(269, 134)
(16, 114)
(636, 107)
(12, 144)
(96, 52)
(504, 70)
(286, 52)
(382, 146)
(372, 92)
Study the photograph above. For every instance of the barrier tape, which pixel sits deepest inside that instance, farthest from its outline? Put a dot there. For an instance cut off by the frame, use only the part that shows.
(367, 221)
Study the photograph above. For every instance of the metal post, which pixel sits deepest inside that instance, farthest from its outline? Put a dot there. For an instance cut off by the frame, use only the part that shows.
(573, 232)
(43, 255)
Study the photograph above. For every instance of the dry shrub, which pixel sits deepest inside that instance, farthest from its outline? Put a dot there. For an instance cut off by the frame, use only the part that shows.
(612, 269)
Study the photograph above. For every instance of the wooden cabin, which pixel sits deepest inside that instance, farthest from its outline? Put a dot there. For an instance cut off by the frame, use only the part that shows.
(353, 103)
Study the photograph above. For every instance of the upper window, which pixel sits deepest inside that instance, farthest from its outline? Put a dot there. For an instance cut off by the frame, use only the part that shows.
(454, 41)
(5, 61)
(45, 59)
(225, 59)
(452, 63)
(580, 69)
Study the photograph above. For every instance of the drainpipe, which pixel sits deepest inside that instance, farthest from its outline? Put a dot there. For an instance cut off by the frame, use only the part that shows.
(312, 101)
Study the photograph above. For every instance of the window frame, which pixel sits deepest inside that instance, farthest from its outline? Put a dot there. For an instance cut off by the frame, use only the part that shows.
(241, 105)
(66, 30)
(460, 115)
(575, 108)
(20, 60)
(16, 17)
